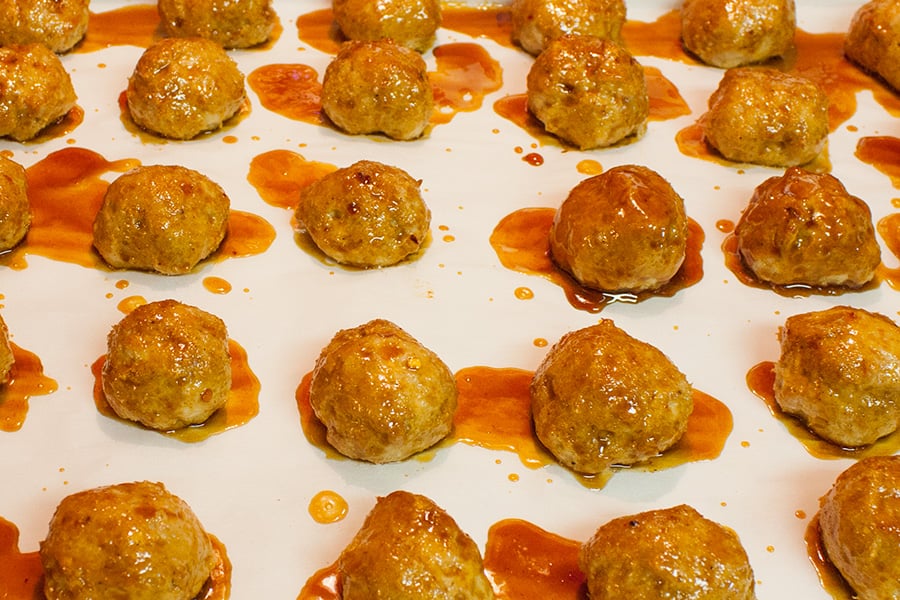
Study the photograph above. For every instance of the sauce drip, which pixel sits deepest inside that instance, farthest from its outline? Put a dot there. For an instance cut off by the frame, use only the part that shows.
(26, 379)
(660, 38)
(327, 507)
(883, 153)
(280, 175)
(830, 578)
(134, 25)
(323, 585)
(318, 29)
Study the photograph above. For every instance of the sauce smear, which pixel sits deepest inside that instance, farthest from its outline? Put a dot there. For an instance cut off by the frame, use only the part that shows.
(26, 379)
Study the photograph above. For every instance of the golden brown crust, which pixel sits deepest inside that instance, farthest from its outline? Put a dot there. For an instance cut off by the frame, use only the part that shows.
(231, 23)
(412, 23)
(15, 209)
(873, 40)
(7, 359)
(535, 23)
(58, 24)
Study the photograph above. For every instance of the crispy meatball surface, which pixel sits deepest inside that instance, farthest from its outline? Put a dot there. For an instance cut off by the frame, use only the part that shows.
(381, 395)
(231, 23)
(839, 371)
(182, 87)
(767, 117)
(602, 398)
(167, 366)
(667, 553)
(728, 33)
(806, 228)
(130, 540)
(588, 91)
(859, 525)
(412, 23)
(6, 353)
(873, 41)
(410, 548)
(535, 23)
(15, 210)
(35, 90)
(161, 218)
(378, 87)
(623, 230)
(58, 24)
(366, 215)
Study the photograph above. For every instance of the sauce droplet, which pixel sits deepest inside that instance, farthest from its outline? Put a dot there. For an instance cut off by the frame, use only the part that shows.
(327, 507)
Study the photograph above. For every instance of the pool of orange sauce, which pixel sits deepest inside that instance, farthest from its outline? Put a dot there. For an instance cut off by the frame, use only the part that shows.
(26, 379)
(830, 578)
(279, 175)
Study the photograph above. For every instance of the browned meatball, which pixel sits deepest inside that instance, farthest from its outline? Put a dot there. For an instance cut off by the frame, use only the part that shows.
(35, 90)
(806, 228)
(859, 524)
(535, 23)
(667, 553)
(873, 41)
(6, 353)
(130, 540)
(839, 371)
(623, 230)
(602, 398)
(231, 23)
(412, 23)
(767, 117)
(378, 87)
(15, 210)
(366, 215)
(729, 33)
(409, 548)
(58, 24)
(588, 91)
(182, 87)
(381, 395)
(161, 218)
(167, 365)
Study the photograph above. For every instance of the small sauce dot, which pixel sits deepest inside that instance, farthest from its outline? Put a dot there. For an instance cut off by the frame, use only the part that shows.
(230, 139)
(122, 284)
(770, 549)
(130, 303)
(327, 507)
(524, 293)
(216, 285)
(725, 225)
(534, 159)
(540, 342)
(514, 477)
(449, 238)
(800, 514)
(589, 167)
(745, 444)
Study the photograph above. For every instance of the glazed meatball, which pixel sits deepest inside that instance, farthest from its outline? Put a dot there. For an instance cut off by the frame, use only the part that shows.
(130, 540)
(412, 23)
(873, 41)
(667, 553)
(182, 87)
(859, 525)
(167, 366)
(6, 353)
(767, 117)
(35, 90)
(623, 230)
(409, 548)
(15, 210)
(602, 398)
(725, 33)
(805, 228)
(58, 24)
(161, 218)
(381, 395)
(365, 215)
(378, 87)
(535, 23)
(231, 23)
(839, 371)
(588, 91)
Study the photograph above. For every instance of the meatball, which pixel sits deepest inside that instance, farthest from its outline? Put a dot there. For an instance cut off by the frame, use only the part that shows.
(58, 24)
(667, 553)
(767, 117)
(725, 33)
(167, 366)
(161, 218)
(873, 41)
(602, 398)
(381, 395)
(6, 353)
(623, 230)
(182, 87)
(839, 371)
(410, 548)
(589, 92)
(535, 23)
(35, 90)
(15, 210)
(412, 23)
(805, 228)
(231, 23)
(130, 540)
(365, 215)
(859, 525)
(378, 87)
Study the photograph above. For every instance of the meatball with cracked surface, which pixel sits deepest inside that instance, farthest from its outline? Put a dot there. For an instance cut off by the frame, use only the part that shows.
(231, 23)
(839, 371)
(409, 548)
(767, 117)
(128, 540)
(167, 366)
(366, 215)
(873, 40)
(535, 23)
(381, 394)
(15, 209)
(161, 218)
(667, 553)
(7, 359)
(35, 90)
(623, 230)
(602, 398)
(182, 87)
(587, 91)
(58, 24)
(806, 228)
(378, 87)
(412, 23)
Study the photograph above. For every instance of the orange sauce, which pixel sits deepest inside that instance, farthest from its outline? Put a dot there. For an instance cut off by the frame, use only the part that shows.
(666, 102)
(830, 578)
(327, 507)
(217, 285)
(318, 29)
(488, 20)
(26, 379)
(313, 428)
(133, 25)
(660, 38)
(290, 90)
(883, 153)
(280, 175)
(889, 229)
(62, 127)
(325, 584)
